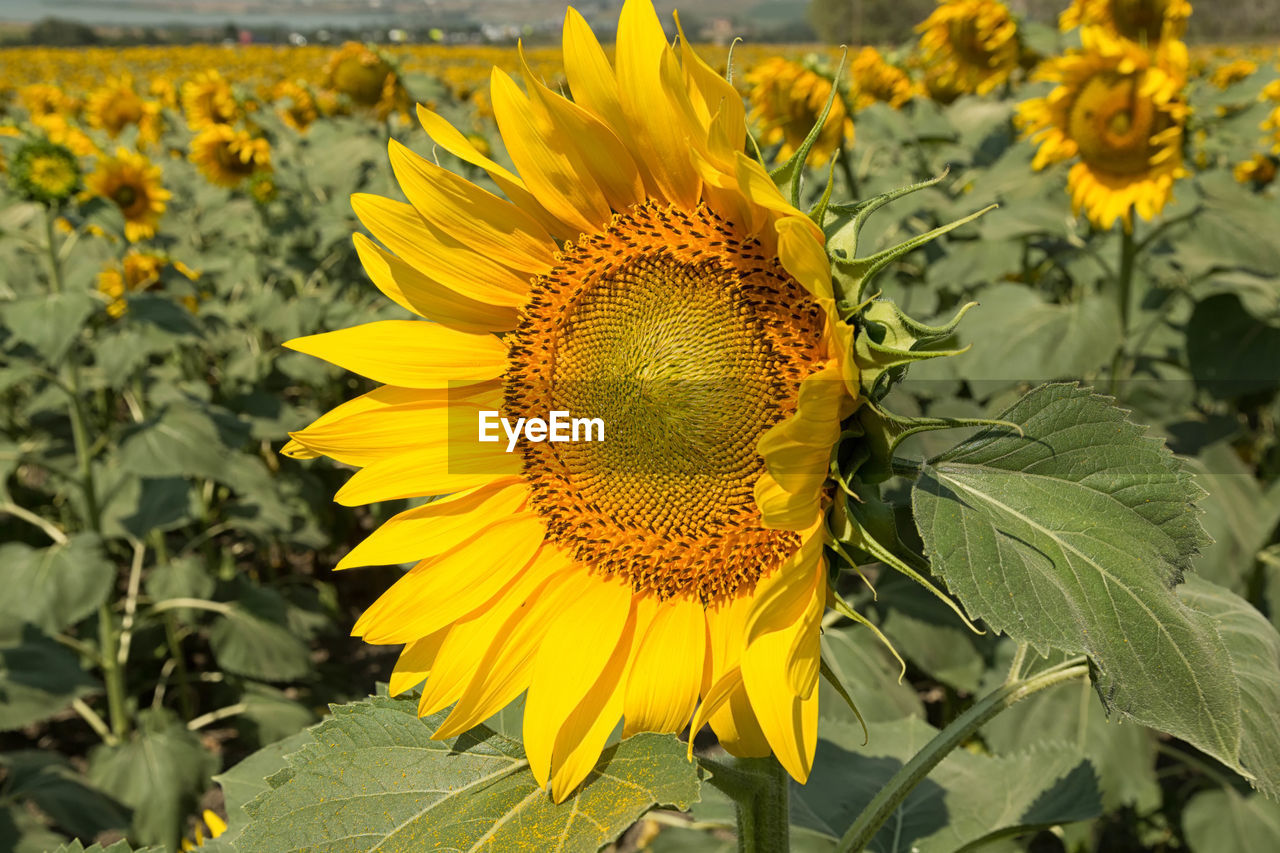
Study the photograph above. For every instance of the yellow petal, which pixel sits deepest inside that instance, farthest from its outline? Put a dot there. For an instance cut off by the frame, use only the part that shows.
(409, 353)
(508, 660)
(412, 290)
(584, 733)
(645, 64)
(664, 679)
(782, 597)
(589, 73)
(788, 722)
(551, 165)
(216, 824)
(441, 467)
(443, 589)
(579, 643)
(783, 510)
(438, 255)
(802, 255)
(415, 662)
(471, 215)
(371, 437)
(387, 395)
(436, 527)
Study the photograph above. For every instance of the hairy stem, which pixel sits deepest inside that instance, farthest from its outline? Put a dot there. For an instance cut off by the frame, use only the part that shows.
(890, 797)
(759, 788)
(1124, 303)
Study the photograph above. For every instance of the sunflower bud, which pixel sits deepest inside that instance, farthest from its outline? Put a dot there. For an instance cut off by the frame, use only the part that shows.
(46, 172)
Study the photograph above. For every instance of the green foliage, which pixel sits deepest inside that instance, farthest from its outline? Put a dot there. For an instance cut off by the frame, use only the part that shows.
(370, 777)
(1224, 821)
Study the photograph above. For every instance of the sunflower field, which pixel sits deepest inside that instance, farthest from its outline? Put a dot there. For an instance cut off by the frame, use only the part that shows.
(935, 502)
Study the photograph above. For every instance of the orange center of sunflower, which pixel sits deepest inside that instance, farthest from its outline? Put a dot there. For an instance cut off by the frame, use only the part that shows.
(1112, 123)
(688, 343)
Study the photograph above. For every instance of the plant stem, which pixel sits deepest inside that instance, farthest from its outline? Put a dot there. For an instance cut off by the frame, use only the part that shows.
(760, 789)
(1015, 668)
(890, 797)
(1124, 302)
(113, 674)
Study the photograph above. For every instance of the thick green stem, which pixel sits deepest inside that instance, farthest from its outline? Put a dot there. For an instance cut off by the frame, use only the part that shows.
(1124, 303)
(760, 789)
(961, 729)
(112, 672)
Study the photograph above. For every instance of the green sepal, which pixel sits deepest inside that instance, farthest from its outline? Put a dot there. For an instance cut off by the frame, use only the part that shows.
(818, 213)
(830, 676)
(889, 341)
(898, 427)
(844, 609)
(854, 216)
(790, 174)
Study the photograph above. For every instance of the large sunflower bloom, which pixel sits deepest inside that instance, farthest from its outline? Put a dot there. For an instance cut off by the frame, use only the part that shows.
(227, 157)
(786, 99)
(1123, 116)
(644, 271)
(969, 46)
(132, 183)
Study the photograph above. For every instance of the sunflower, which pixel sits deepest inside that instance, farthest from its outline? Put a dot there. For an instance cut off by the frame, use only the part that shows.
(1148, 23)
(1258, 171)
(1123, 115)
(132, 183)
(301, 111)
(874, 80)
(969, 46)
(1230, 73)
(787, 98)
(42, 99)
(216, 826)
(208, 100)
(644, 272)
(57, 129)
(367, 79)
(137, 271)
(117, 105)
(46, 172)
(227, 157)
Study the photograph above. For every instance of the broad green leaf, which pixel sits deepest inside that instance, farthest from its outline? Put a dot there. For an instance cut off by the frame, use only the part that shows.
(1239, 515)
(22, 832)
(117, 847)
(159, 773)
(966, 798)
(180, 577)
(38, 678)
(60, 585)
(1018, 337)
(49, 323)
(1123, 754)
(1073, 536)
(248, 779)
(63, 795)
(144, 504)
(869, 673)
(1232, 352)
(255, 639)
(930, 634)
(181, 441)
(1254, 647)
(372, 778)
(271, 715)
(1223, 821)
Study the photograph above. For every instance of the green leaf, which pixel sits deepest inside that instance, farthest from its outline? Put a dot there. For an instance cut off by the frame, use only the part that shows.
(1254, 647)
(1124, 755)
(48, 780)
(117, 847)
(60, 585)
(248, 779)
(1239, 515)
(159, 773)
(870, 673)
(1073, 536)
(38, 678)
(372, 778)
(49, 323)
(1232, 352)
(181, 441)
(1223, 821)
(967, 797)
(929, 634)
(22, 832)
(1018, 337)
(255, 639)
(143, 504)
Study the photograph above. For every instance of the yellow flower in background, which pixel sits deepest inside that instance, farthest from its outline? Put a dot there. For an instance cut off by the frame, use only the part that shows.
(132, 183)
(1233, 72)
(44, 171)
(135, 272)
(969, 46)
(216, 826)
(873, 79)
(40, 99)
(299, 110)
(643, 270)
(367, 79)
(786, 99)
(117, 105)
(227, 157)
(1147, 23)
(1123, 116)
(208, 100)
(57, 129)
(1258, 171)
